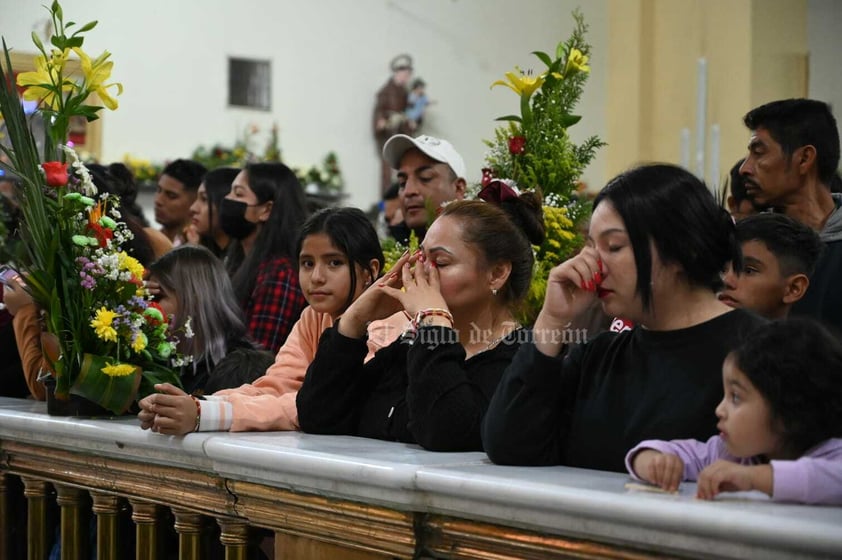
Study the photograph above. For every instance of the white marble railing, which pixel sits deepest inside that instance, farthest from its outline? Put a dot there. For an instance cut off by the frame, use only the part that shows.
(440, 501)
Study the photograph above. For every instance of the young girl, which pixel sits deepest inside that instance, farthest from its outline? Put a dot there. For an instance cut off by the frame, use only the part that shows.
(780, 423)
(339, 256)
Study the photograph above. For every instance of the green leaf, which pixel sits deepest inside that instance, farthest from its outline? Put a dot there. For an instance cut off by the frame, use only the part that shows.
(89, 111)
(570, 120)
(69, 24)
(559, 51)
(75, 42)
(57, 42)
(545, 58)
(514, 118)
(87, 27)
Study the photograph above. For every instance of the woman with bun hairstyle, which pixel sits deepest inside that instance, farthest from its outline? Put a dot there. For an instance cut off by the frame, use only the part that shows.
(462, 288)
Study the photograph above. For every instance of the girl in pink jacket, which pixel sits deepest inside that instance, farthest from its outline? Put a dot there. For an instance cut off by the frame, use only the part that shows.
(339, 256)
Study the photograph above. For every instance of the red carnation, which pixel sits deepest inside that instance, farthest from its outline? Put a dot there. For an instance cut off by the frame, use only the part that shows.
(517, 145)
(56, 173)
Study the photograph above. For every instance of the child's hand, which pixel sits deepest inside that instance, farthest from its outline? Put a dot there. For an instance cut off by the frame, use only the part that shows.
(725, 476)
(661, 469)
(171, 411)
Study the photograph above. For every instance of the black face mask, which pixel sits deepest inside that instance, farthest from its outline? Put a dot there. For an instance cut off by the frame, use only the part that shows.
(232, 219)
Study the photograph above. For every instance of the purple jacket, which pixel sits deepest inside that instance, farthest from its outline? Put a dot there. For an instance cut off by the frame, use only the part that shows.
(814, 478)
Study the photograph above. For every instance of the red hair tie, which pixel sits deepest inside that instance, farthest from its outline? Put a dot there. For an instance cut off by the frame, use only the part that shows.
(497, 192)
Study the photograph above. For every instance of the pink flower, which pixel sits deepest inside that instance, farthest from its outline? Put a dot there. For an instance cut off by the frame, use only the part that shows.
(56, 173)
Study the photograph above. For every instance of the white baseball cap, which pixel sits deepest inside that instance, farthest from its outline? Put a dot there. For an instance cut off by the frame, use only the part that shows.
(436, 148)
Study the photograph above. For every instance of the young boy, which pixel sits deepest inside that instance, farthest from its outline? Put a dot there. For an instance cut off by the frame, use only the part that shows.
(779, 255)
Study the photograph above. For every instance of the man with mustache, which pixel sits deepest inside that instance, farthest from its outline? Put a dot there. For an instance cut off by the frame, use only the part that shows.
(430, 173)
(793, 155)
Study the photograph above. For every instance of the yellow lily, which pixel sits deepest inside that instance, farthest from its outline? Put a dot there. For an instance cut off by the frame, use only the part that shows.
(576, 62)
(520, 83)
(46, 82)
(96, 72)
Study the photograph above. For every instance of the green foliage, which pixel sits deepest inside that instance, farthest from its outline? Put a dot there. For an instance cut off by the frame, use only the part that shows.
(535, 151)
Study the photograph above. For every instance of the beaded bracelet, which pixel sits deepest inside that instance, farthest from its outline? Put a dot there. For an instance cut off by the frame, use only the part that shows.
(432, 312)
(198, 412)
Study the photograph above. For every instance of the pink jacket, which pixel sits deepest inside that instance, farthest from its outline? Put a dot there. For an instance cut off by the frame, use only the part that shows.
(268, 404)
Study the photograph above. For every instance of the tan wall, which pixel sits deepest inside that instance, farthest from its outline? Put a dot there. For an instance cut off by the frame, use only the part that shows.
(755, 52)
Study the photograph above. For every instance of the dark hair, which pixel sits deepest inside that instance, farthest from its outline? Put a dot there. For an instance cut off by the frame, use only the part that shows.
(673, 209)
(796, 364)
(418, 82)
(126, 188)
(392, 192)
(504, 232)
(139, 245)
(186, 171)
(796, 246)
(352, 233)
(240, 366)
(836, 183)
(276, 183)
(794, 123)
(217, 184)
(738, 182)
(198, 280)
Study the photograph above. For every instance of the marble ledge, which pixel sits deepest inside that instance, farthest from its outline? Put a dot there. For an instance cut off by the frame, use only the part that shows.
(556, 500)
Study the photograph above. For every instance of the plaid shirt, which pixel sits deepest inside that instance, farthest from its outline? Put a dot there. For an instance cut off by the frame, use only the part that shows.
(274, 304)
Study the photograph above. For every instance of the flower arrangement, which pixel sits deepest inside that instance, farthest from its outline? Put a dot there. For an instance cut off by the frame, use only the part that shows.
(327, 178)
(534, 150)
(112, 343)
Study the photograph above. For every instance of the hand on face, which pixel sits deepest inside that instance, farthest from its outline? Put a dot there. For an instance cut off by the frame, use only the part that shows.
(571, 287)
(170, 412)
(374, 303)
(420, 280)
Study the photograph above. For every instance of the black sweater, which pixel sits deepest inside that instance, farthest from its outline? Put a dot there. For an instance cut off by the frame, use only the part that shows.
(603, 397)
(416, 391)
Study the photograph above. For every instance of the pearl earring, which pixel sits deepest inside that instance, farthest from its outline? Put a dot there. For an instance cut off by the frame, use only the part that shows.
(494, 291)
